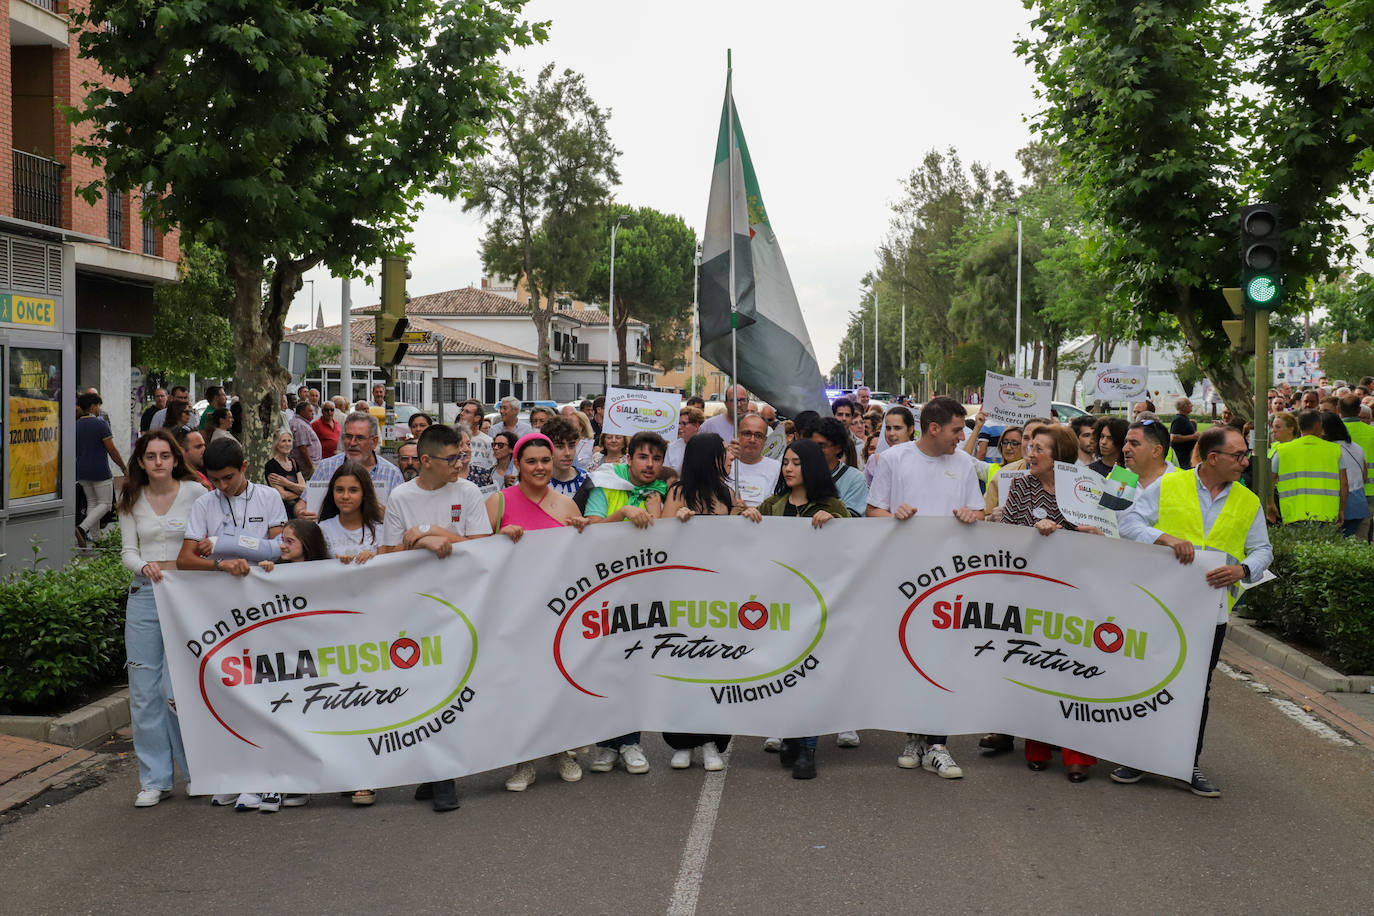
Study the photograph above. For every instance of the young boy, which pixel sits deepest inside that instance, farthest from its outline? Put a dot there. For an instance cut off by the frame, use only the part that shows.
(567, 476)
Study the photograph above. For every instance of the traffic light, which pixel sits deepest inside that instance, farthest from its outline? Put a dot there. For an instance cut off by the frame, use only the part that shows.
(391, 320)
(1241, 330)
(1261, 254)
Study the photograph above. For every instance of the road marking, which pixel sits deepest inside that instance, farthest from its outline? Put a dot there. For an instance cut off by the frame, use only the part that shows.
(687, 888)
(1288, 708)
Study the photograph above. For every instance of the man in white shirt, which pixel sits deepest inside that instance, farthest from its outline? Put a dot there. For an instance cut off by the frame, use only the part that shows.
(927, 477)
(359, 442)
(510, 418)
(723, 424)
(1144, 450)
(479, 469)
(756, 475)
(235, 503)
(438, 508)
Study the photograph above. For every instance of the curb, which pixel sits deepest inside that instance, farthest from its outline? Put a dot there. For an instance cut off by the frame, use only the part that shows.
(1284, 657)
(85, 726)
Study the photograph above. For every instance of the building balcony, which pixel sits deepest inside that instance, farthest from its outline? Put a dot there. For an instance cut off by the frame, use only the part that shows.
(37, 189)
(37, 22)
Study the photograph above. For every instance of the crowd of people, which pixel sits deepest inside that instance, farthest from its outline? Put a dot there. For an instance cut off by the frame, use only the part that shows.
(189, 487)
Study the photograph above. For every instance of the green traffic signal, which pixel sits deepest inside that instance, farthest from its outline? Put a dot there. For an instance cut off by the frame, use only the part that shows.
(1261, 292)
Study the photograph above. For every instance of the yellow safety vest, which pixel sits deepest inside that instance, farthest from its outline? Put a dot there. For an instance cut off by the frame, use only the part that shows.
(1308, 482)
(1362, 434)
(1274, 447)
(1180, 514)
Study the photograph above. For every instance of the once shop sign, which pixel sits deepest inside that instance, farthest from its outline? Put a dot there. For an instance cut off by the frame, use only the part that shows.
(29, 310)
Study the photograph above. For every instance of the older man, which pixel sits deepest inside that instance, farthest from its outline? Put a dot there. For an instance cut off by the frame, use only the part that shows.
(538, 417)
(360, 440)
(510, 418)
(145, 422)
(755, 474)
(479, 468)
(1206, 507)
(305, 442)
(1183, 434)
(723, 424)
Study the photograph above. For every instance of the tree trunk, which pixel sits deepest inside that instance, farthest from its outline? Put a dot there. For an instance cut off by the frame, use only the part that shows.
(259, 378)
(622, 325)
(542, 316)
(1035, 361)
(1228, 377)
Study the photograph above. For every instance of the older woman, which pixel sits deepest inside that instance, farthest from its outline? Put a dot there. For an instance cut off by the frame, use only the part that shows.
(1031, 502)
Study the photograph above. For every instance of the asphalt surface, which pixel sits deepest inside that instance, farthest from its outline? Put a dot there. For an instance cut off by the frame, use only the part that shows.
(1292, 833)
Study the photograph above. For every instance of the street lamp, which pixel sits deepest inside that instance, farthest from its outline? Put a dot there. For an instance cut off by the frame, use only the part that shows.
(696, 275)
(610, 305)
(1016, 212)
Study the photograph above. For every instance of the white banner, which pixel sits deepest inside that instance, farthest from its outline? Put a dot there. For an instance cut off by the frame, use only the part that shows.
(1085, 497)
(313, 678)
(1116, 382)
(1012, 401)
(1004, 479)
(629, 411)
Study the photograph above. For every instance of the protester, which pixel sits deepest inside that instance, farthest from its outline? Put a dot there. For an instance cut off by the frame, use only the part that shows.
(538, 417)
(192, 445)
(179, 416)
(1031, 502)
(217, 423)
(1352, 468)
(361, 438)
(1083, 430)
(838, 448)
(95, 449)
(586, 440)
(898, 426)
(479, 468)
(1109, 434)
(178, 393)
(502, 450)
(927, 477)
(697, 401)
(510, 421)
(610, 449)
(753, 475)
(1362, 434)
(351, 517)
(305, 444)
(531, 505)
(1307, 479)
(408, 459)
(145, 420)
(153, 509)
(282, 473)
(567, 477)
(689, 421)
(596, 413)
(1144, 451)
(418, 423)
(805, 490)
(327, 430)
(723, 424)
(1283, 429)
(234, 512)
(1205, 507)
(628, 492)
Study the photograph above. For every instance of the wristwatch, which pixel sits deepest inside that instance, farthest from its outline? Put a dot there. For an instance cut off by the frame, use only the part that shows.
(1246, 570)
(216, 566)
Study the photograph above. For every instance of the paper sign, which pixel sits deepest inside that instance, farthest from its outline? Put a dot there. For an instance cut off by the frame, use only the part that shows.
(1012, 401)
(314, 494)
(629, 411)
(1004, 481)
(1079, 491)
(1116, 382)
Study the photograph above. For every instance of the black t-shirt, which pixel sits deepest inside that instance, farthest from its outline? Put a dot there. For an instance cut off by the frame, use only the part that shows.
(790, 510)
(275, 467)
(1182, 426)
(145, 422)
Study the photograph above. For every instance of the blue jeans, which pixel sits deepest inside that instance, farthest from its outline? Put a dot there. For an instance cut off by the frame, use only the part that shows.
(157, 734)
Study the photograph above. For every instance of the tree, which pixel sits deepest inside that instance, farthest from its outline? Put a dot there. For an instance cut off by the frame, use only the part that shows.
(288, 135)
(966, 365)
(190, 331)
(544, 192)
(1348, 361)
(1349, 307)
(653, 279)
(1149, 104)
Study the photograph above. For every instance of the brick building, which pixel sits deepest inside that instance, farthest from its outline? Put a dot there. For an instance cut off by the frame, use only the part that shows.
(76, 279)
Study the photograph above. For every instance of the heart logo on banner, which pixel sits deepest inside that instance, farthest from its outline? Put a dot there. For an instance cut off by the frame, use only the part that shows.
(753, 615)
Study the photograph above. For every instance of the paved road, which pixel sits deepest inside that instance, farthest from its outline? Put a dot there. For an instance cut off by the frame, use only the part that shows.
(1293, 833)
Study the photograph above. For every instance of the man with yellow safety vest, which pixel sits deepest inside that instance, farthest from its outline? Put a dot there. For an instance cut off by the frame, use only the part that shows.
(1206, 507)
(1362, 434)
(1308, 482)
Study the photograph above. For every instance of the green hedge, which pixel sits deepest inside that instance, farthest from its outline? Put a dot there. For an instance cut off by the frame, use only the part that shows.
(62, 630)
(1322, 596)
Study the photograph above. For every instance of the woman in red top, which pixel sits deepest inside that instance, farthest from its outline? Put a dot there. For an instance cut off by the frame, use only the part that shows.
(328, 429)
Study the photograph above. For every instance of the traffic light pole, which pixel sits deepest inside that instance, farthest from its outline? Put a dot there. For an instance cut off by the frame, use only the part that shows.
(1261, 459)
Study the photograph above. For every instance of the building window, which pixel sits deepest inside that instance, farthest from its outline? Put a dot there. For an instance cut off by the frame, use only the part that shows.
(114, 218)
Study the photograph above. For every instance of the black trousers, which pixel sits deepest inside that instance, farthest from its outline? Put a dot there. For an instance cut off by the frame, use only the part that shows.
(1217, 640)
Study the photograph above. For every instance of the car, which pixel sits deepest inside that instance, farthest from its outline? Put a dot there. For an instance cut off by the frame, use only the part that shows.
(1064, 411)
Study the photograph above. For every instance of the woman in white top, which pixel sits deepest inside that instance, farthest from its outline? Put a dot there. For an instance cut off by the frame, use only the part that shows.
(350, 516)
(586, 439)
(153, 509)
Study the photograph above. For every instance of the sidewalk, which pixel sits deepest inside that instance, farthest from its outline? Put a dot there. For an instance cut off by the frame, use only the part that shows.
(28, 768)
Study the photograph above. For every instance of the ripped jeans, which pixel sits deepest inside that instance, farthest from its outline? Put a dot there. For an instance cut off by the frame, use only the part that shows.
(157, 733)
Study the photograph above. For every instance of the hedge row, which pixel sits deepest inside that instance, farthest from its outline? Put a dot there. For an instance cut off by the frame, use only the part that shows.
(62, 630)
(1322, 596)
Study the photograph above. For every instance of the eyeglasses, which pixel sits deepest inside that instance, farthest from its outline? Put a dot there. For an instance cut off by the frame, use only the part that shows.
(352, 437)
(753, 435)
(453, 460)
(1011, 442)
(1236, 456)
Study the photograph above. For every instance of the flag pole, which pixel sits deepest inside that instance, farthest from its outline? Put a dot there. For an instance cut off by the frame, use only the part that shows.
(733, 394)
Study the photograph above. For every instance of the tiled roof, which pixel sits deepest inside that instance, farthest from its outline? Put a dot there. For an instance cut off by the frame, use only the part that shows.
(472, 300)
(457, 343)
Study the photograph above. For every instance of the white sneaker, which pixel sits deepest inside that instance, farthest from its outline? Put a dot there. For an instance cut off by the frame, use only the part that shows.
(270, 804)
(247, 801)
(604, 759)
(937, 760)
(710, 757)
(772, 745)
(568, 769)
(681, 759)
(847, 739)
(224, 799)
(149, 797)
(912, 751)
(633, 758)
(522, 778)
(294, 800)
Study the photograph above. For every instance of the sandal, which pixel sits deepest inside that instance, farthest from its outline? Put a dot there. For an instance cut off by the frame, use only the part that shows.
(1038, 765)
(364, 797)
(1077, 772)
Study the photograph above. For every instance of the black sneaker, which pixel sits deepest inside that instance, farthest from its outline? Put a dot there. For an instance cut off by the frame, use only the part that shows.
(1126, 775)
(445, 795)
(787, 754)
(1203, 786)
(805, 767)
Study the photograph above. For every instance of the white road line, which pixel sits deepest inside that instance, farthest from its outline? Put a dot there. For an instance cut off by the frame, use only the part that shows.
(1290, 709)
(687, 888)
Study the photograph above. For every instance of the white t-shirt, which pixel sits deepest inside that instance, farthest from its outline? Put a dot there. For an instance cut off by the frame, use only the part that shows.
(481, 450)
(721, 425)
(673, 458)
(1352, 463)
(933, 486)
(345, 543)
(457, 507)
(756, 481)
(255, 510)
